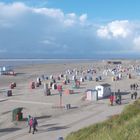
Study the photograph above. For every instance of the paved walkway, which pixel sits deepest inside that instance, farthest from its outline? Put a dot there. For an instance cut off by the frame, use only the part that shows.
(75, 119)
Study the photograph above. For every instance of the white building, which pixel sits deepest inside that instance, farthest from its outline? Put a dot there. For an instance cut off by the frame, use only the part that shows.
(5, 69)
(104, 90)
(92, 95)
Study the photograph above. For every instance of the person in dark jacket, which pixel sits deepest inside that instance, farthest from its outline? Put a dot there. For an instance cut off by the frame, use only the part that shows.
(135, 94)
(35, 123)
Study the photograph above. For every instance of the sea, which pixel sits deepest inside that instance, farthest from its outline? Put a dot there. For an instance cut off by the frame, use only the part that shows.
(23, 62)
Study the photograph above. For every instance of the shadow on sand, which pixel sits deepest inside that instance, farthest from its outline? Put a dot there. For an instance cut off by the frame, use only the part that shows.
(17, 94)
(43, 117)
(3, 100)
(6, 112)
(116, 93)
(9, 129)
(57, 128)
(48, 125)
(122, 93)
(20, 73)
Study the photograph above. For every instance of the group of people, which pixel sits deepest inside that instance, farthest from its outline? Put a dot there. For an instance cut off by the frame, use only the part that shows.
(32, 123)
(134, 86)
(134, 95)
(116, 98)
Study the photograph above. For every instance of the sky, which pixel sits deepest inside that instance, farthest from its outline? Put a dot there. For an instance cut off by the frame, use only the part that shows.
(87, 29)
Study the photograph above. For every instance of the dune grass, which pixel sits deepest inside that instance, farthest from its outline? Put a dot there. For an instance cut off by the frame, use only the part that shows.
(125, 126)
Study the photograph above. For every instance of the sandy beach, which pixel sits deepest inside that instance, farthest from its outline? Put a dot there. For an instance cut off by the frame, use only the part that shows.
(53, 120)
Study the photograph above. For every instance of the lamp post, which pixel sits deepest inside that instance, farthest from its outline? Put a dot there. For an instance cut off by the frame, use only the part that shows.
(115, 80)
(115, 88)
(60, 93)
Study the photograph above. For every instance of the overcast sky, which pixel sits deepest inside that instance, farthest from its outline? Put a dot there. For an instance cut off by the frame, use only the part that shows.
(69, 28)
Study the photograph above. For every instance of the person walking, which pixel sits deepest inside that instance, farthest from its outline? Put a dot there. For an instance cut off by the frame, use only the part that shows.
(111, 98)
(131, 86)
(131, 95)
(28, 119)
(30, 124)
(35, 123)
(120, 99)
(135, 94)
(136, 86)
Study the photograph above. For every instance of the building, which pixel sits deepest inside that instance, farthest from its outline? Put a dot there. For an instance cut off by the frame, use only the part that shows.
(91, 95)
(104, 90)
(114, 62)
(6, 70)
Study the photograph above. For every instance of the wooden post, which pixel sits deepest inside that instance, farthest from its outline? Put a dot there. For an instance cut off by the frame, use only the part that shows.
(60, 93)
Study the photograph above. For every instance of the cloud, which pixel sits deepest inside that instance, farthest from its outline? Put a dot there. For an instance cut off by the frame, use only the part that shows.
(122, 35)
(31, 31)
(136, 42)
(50, 12)
(12, 10)
(115, 29)
(83, 18)
(103, 32)
(39, 31)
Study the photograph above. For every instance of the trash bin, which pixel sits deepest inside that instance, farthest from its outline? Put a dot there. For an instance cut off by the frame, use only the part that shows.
(9, 93)
(68, 106)
(17, 114)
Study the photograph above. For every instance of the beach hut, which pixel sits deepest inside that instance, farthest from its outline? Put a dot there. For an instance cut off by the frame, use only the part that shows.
(104, 90)
(54, 86)
(120, 76)
(81, 79)
(129, 76)
(61, 75)
(45, 86)
(89, 78)
(73, 77)
(51, 77)
(64, 82)
(58, 78)
(17, 114)
(46, 89)
(50, 84)
(12, 85)
(68, 91)
(91, 95)
(99, 78)
(32, 85)
(76, 84)
(38, 80)
(9, 93)
(66, 77)
(59, 88)
(7, 70)
(37, 84)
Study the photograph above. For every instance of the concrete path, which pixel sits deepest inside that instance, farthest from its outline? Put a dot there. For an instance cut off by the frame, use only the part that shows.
(73, 120)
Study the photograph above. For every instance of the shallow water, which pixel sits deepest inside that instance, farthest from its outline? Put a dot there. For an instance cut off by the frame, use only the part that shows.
(21, 62)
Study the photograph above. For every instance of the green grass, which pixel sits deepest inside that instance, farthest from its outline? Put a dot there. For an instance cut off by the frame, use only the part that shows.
(125, 126)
